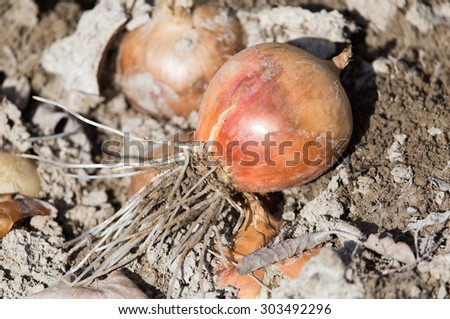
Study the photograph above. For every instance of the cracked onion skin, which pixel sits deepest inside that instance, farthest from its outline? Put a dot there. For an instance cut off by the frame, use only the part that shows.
(281, 90)
(165, 65)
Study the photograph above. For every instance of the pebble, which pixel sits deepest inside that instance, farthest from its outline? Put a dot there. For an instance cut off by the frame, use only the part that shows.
(433, 131)
(288, 216)
(439, 199)
(380, 65)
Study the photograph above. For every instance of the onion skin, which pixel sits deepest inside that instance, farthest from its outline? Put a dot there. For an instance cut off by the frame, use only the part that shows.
(165, 66)
(282, 90)
(13, 210)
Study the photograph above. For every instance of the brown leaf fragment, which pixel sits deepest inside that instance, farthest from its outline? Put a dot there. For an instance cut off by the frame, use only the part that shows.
(258, 227)
(387, 247)
(269, 255)
(34, 207)
(13, 210)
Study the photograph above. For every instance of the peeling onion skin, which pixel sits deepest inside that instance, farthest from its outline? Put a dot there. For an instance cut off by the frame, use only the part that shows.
(282, 90)
(165, 66)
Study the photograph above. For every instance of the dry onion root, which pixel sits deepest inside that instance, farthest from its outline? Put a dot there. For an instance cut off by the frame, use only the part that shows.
(197, 192)
(185, 198)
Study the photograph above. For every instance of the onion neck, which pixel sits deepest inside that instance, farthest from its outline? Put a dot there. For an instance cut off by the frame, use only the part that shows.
(178, 8)
(343, 58)
(339, 62)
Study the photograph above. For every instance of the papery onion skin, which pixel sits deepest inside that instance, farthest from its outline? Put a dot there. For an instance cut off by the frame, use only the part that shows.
(282, 90)
(165, 66)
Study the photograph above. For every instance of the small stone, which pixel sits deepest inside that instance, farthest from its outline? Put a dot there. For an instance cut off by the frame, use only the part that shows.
(343, 174)
(433, 131)
(439, 199)
(380, 65)
(411, 210)
(288, 216)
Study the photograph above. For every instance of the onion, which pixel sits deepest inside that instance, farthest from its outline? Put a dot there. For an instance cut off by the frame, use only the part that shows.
(275, 116)
(165, 65)
(18, 175)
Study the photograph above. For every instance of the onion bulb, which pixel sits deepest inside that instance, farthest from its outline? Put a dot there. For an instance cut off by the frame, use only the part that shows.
(165, 65)
(275, 116)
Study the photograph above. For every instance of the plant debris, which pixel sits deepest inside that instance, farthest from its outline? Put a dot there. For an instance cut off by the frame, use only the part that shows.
(13, 210)
(115, 286)
(432, 219)
(386, 246)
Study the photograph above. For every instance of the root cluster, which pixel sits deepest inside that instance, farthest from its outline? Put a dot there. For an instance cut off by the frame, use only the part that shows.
(183, 196)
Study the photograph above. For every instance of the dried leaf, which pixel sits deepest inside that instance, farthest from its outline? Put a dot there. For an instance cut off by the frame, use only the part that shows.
(441, 184)
(14, 210)
(115, 286)
(258, 227)
(432, 219)
(269, 255)
(387, 247)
